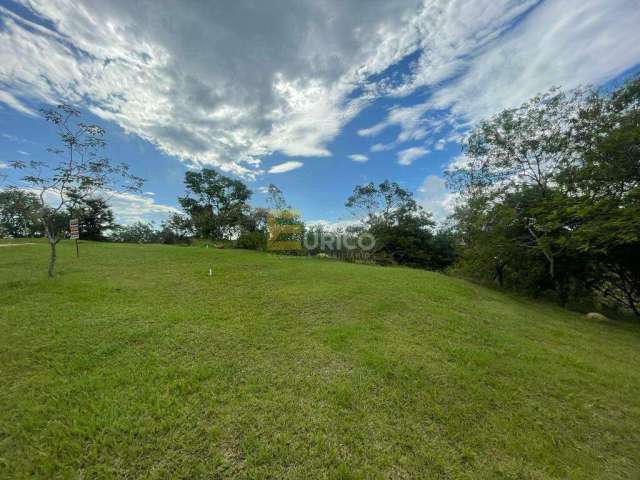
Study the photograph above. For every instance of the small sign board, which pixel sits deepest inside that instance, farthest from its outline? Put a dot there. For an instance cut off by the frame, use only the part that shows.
(73, 229)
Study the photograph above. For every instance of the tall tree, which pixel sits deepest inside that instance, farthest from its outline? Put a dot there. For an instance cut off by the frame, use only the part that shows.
(275, 198)
(215, 203)
(383, 204)
(402, 229)
(552, 193)
(95, 217)
(80, 173)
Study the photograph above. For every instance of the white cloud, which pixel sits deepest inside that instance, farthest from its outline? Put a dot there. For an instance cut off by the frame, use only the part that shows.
(226, 86)
(4, 165)
(459, 162)
(285, 167)
(381, 147)
(558, 43)
(358, 157)
(127, 207)
(209, 84)
(333, 226)
(434, 196)
(11, 101)
(130, 208)
(561, 42)
(410, 119)
(22, 152)
(407, 156)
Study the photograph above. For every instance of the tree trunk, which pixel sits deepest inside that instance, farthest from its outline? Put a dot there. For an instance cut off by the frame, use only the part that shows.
(52, 259)
(499, 276)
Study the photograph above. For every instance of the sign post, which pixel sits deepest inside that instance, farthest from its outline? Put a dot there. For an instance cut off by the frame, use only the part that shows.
(75, 233)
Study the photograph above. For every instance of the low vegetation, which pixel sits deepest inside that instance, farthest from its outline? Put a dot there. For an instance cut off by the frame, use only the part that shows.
(135, 363)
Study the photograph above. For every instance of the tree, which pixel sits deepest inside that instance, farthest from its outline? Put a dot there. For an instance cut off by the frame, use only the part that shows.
(18, 213)
(403, 231)
(216, 204)
(275, 198)
(552, 196)
(94, 216)
(176, 229)
(81, 173)
(382, 204)
(139, 232)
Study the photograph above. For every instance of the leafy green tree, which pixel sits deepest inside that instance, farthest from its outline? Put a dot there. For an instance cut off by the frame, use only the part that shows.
(403, 231)
(384, 204)
(216, 204)
(80, 173)
(139, 232)
(176, 229)
(551, 194)
(95, 218)
(18, 213)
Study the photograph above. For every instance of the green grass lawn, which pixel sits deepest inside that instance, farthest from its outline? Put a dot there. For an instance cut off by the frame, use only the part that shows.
(134, 363)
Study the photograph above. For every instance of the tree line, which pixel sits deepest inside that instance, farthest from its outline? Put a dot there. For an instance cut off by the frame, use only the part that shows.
(550, 197)
(548, 203)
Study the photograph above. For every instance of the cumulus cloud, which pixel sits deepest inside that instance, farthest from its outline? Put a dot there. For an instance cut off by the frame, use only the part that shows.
(407, 156)
(130, 208)
(209, 83)
(558, 43)
(381, 147)
(434, 196)
(225, 85)
(358, 157)
(127, 207)
(285, 167)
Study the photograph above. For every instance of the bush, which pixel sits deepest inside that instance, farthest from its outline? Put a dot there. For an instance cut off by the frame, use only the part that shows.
(252, 241)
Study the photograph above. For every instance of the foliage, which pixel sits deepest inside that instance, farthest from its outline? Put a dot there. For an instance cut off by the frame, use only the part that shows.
(275, 198)
(176, 229)
(138, 232)
(403, 231)
(255, 240)
(552, 196)
(95, 217)
(80, 174)
(18, 214)
(216, 204)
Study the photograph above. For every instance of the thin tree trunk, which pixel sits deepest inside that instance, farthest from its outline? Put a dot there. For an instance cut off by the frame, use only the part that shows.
(52, 259)
(499, 276)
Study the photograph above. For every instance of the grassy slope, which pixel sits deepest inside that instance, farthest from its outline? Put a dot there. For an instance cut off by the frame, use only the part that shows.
(134, 363)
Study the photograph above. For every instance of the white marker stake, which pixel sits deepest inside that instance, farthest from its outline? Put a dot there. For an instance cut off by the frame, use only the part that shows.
(210, 272)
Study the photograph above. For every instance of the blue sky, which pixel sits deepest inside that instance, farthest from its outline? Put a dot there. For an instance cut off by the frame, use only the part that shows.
(314, 96)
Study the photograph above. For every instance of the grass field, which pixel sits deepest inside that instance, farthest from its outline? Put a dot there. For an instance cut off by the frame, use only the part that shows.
(134, 363)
